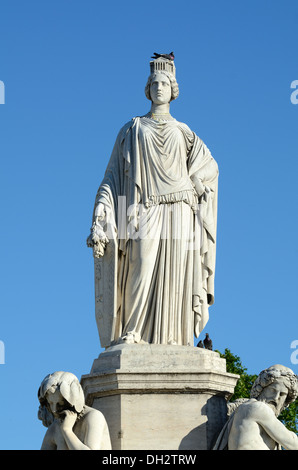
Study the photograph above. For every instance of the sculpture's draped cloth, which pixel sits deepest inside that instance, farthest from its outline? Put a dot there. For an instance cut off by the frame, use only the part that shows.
(160, 196)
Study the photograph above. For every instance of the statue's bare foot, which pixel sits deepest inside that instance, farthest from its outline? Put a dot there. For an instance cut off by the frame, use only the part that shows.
(131, 337)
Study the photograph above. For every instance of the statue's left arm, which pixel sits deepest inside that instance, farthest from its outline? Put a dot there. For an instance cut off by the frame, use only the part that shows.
(202, 168)
(203, 172)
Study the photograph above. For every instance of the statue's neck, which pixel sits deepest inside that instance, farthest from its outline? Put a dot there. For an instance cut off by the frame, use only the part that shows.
(160, 108)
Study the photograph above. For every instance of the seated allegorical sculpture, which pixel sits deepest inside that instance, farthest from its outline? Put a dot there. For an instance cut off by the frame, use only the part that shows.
(71, 424)
(154, 226)
(253, 423)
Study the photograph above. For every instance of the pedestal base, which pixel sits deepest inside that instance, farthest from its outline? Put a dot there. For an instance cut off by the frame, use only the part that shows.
(157, 397)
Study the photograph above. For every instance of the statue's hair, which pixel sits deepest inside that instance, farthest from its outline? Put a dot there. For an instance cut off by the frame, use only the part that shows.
(270, 375)
(70, 389)
(173, 82)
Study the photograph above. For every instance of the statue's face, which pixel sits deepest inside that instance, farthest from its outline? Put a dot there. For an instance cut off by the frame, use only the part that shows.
(160, 89)
(57, 402)
(275, 395)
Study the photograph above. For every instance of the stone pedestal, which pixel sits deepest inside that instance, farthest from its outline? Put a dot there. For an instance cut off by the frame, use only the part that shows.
(157, 397)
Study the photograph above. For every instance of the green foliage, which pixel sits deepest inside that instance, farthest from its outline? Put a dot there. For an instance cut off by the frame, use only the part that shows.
(288, 417)
(245, 382)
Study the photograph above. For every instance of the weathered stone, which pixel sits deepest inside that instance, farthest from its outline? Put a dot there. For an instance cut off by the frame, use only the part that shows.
(160, 397)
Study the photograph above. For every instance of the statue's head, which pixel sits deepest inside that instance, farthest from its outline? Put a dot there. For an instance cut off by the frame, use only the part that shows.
(162, 78)
(59, 391)
(277, 386)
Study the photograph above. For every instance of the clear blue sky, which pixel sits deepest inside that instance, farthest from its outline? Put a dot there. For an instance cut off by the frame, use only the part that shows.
(74, 73)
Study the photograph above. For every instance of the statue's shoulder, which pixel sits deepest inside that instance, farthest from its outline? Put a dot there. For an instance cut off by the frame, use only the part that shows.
(127, 126)
(187, 131)
(248, 402)
(261, 407)
(234, 405)
(183, 125)
(93, 413)
(124, 130)
(255, 409)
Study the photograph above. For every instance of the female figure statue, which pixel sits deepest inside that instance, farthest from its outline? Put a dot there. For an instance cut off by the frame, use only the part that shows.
(154, 226)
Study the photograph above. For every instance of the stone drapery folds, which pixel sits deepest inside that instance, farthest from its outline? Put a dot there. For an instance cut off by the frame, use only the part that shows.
(156, 279)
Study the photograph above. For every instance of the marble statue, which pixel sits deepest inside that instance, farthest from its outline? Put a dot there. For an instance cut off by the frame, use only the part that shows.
(71, 424)
(154, 226)
(253, 423)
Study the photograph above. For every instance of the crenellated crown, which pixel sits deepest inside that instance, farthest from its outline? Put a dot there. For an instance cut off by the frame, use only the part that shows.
(162, 65)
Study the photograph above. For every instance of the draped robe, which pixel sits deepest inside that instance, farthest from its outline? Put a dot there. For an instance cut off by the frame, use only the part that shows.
(156, 279)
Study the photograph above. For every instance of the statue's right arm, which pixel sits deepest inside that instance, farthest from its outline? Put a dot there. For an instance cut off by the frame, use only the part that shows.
(110, 185)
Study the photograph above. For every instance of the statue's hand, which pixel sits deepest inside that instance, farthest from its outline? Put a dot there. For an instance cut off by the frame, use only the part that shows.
(68, 419)
(97, 239)
(99, 250)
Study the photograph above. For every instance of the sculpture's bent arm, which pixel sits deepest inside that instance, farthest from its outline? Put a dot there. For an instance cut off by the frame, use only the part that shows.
(265, 417)
(96, 434)
(203, 169)
(66, 428)
(73, 442)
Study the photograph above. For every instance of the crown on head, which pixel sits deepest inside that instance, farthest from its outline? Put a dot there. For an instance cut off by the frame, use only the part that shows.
(162, 65)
